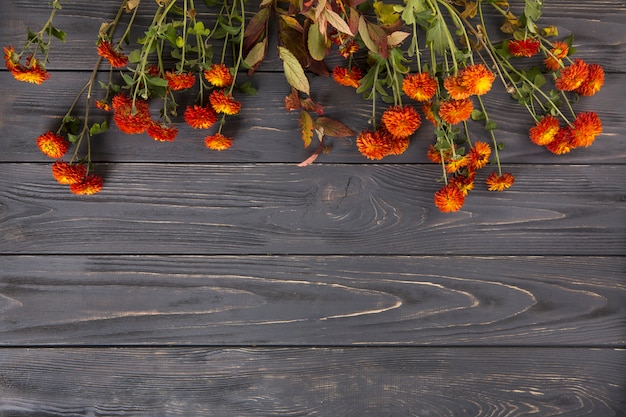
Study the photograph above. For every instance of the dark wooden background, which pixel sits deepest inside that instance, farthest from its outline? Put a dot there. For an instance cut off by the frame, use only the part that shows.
(237, 284)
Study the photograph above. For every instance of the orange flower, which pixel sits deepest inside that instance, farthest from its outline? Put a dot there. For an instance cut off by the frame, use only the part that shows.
(420, 86)
(544, 130)
(401, 121)
(373, 145)
(554, 60)
(427, 108)
(497, 182)
(456, 163)
(115, 58)
(91, 184)
(477, 79)
(399, 145)
(573, 76)
(161, 132)
(464, 183)
(128, 118)
(594, 81)
(586, 127)
(435, 155)
(218, 142)
(455, 111)
(479, 155)
(348, 77)
(562, 142)
(524, 47)
(53, 145)
(11, 59)
(455, 88)
(449, 198)
(224, 103)
(33, 72)
(180, 81)
(200, 117)
(66, 173)
(219, 75)
(103, 105)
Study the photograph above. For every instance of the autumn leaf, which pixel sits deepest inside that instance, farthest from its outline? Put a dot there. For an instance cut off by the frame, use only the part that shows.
(332, 127)
(306, 127)
(293, 71)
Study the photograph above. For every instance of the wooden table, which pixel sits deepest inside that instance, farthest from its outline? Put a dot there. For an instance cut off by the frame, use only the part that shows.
(200, 283)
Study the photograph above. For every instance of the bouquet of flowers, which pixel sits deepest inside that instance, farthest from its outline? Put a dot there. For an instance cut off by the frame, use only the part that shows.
(412, 59)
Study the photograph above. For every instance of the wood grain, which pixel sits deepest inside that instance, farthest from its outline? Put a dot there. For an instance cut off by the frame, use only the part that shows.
(338, 209)
(265, 132)
(438, 382)
(330, 300)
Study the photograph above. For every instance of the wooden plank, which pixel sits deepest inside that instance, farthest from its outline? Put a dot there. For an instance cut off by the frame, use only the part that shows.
(441, 382)
(599, 35)
(330, 300)
(265, 132)
(322, 209)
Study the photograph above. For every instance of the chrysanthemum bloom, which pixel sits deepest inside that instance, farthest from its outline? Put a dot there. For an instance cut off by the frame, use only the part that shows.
(224, 103)
(161, 132)
(53, 145)
(33, 72)
(554, 60)
(399, 145)
(455, 111)
(586, 127)
(562, 142)
(544, 130)
(115, 58)
(427, 108)
(66, 173)
(449, 198)
(479, 155)
(177, 82)
(128, 118)
(91, 184)
(200, 117)
(477, 79)
(497, 182)
(10, 57)
(594, 81)
(457, 162)
(401, 121)
(524, 47)
(373, 145)
(420, 86)
(348, 48)
(455, 88)
(465, 183)
(572, 77)
(218, 142)
(434, 155)
(348, 77)
(103, 105)
(219, 75)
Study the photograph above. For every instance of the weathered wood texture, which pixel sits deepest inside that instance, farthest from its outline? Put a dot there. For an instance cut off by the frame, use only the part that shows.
(357, 382)
(304, 300)
(237, 284)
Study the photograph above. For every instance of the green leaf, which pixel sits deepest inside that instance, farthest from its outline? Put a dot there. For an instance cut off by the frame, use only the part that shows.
(59, 34)
(135, 56)
(437, 36)
(248, 89)
(128, 79)
(293, 71)
(72, 137)
(157, 81)
(477, 115)
(256, 54)
(97, 128)
(491, 125)
(316, 43)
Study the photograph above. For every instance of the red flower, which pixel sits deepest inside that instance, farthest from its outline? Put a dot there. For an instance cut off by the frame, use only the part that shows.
(33, 72)
(419, 87)
(224, 103)
(348, 77)
(53, 145)
(544, 130)
(200, 117)
(161, 132)
(573, 76)
(218, 142)
(594, 81)
(562, 142)
(181, 81)
(449, 198)
(129, 118)
(497, 182)
(586, 127)
(479, 155)
(219, 75)
(91, 184)
(524, 47)
(67, 174)
(115, 58)
(554, 60)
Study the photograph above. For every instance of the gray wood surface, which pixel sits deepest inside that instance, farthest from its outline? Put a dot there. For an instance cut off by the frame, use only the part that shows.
(238, 284)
